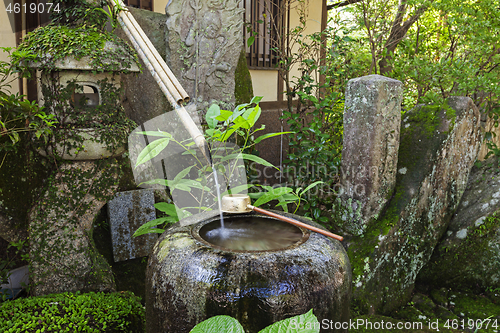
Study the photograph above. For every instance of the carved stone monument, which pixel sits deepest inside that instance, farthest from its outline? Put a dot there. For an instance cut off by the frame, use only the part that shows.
(204, 41)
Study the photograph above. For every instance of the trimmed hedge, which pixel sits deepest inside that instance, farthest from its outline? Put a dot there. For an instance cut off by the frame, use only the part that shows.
(73, 312)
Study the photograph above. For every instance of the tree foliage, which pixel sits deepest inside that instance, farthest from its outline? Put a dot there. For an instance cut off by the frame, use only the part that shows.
(436, 48)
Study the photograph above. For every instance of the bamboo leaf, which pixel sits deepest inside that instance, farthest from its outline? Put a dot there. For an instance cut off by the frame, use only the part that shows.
(155, 133)
(258, 159)
(311, 186)
(212, 113)
(269, 135)
(274, 194)
(151, 151)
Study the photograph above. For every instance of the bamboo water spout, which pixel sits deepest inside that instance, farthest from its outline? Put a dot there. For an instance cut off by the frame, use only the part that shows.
(168, 83)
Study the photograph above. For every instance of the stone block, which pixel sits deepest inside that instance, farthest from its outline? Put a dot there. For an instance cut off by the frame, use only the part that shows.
(273, 149)
(372, 121)
(203, 48)
(438, 148)
(127, 212)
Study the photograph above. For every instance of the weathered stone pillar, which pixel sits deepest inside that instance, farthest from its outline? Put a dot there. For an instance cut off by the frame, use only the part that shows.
(438, 147)
(372, 121)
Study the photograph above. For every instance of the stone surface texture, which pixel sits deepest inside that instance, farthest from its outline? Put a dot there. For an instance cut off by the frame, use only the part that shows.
(438, 148)
(372, 120)
(203, 48)
(84, 63)
(188, 281)
(143, 99)
(92, 149)
(127, 212)
(62, 254)
(469, 254)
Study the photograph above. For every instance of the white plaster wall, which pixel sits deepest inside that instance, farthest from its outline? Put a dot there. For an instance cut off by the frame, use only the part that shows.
(7, 39)
(265, 84)
(313, 24)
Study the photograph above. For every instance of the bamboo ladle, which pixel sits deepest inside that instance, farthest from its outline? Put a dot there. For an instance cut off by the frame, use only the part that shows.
(240, 203)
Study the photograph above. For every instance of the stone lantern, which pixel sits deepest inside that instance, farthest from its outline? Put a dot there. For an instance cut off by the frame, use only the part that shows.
(83, 94)
(80, 90)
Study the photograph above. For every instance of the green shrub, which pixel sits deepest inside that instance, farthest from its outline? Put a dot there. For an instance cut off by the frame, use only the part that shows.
(74, 312)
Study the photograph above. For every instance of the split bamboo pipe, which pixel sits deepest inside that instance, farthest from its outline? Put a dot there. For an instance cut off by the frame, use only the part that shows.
(149, 66)
(183, 94)
(167, 82)
(152, 59)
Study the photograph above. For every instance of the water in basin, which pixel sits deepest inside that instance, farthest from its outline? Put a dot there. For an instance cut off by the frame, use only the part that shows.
(251, 234)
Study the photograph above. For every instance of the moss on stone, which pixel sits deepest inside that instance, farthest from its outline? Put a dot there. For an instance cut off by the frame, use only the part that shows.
(243, 90)
(447, 270)
(440, 296)
(474, 306)
(127, 181)
(52, 43)
(463, 309)
(424, 304)
(412, 327)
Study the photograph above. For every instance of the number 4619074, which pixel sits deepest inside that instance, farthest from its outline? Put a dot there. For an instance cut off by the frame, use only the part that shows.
(32, 8)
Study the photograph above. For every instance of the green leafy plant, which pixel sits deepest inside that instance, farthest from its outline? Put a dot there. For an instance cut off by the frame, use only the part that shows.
(112, 12)
(305, 323)
(17, 114)
(223, 126)
(316, 117)
(80, 12)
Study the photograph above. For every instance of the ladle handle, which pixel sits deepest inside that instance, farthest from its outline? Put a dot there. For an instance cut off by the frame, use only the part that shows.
(295, 222)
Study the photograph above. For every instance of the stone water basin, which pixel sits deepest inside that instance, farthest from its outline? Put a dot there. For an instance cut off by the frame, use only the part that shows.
(190, 279)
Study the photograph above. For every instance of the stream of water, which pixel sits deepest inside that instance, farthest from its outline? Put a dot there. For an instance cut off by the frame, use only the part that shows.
(219, 201)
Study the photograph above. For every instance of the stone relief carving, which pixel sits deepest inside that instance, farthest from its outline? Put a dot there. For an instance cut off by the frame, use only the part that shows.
(204, 42)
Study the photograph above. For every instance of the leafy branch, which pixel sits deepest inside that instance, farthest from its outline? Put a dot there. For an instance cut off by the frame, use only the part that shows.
(224, 126)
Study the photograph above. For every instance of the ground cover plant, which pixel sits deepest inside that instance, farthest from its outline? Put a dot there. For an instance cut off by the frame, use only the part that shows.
(73, 312)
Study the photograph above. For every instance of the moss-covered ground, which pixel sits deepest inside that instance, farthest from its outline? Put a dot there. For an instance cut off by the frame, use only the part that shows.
(443, 309)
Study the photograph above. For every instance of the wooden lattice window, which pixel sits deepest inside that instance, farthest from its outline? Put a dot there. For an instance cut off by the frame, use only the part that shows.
(142, 4)
(268, 25)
